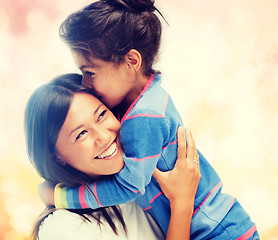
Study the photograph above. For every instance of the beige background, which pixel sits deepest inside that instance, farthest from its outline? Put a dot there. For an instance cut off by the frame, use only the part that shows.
(220, 64)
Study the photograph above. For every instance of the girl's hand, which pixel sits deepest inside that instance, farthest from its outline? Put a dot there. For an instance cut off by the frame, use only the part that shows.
(180, 184)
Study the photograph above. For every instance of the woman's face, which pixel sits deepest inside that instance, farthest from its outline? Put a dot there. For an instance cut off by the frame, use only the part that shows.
(89, 138)
(113, 83)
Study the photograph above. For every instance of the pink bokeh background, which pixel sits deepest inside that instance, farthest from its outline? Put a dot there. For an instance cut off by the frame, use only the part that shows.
(219, 60)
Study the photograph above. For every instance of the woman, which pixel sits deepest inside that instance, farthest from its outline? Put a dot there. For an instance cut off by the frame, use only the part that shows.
(55, 116)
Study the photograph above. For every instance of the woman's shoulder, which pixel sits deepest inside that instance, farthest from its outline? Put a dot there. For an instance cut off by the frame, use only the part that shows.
(63, 224)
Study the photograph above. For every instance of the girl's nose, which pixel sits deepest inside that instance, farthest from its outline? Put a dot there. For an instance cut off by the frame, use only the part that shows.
(87, 82)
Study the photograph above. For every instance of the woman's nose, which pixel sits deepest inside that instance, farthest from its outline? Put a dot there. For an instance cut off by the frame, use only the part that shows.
(102, 137)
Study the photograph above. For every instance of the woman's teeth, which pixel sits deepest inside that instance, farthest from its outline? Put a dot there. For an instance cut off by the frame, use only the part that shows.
(109, 151)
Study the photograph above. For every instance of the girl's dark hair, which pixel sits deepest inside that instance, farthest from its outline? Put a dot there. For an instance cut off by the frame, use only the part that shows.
(109, 29)
(45, 114)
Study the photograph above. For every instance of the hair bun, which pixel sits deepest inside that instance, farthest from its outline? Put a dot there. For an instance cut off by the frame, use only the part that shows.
(134, 5)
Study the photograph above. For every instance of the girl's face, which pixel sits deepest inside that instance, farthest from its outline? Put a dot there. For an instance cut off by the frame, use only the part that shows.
(112, 82)
(89, 138)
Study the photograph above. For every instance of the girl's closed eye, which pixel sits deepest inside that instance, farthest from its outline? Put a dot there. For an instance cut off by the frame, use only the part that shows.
(81, 134)
(89, 73)
(101, 115)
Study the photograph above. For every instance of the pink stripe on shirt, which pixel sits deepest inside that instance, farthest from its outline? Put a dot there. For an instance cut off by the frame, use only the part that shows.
(151, 115)
(248, 234)
(165, 105)
(170, 144)
(149, 83)
(144, 158)
(147, 208)
(212, 190)
(95, 192)
(144, 115)
(156, 196)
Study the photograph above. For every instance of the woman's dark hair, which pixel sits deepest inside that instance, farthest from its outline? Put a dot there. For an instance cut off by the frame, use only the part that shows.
(109, 29)
(45, 114)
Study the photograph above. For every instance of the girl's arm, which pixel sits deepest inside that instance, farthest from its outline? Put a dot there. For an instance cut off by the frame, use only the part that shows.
(180, 186)
(142, 150)
(143, 139)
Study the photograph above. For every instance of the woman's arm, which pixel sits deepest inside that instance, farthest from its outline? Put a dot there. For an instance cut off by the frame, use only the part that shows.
(180, 186)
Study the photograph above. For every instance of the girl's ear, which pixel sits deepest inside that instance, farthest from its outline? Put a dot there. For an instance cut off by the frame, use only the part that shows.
(134, 59)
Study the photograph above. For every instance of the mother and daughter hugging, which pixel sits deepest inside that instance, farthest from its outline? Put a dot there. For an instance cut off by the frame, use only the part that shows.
(110, 145)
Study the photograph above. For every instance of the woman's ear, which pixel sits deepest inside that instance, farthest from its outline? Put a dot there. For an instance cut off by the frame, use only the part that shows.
(60, 160)
(134, 59)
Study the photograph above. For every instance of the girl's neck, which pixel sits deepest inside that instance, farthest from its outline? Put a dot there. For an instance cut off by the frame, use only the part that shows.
(125, 104)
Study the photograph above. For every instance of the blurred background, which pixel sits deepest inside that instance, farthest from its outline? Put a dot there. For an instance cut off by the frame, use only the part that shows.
(220, 64)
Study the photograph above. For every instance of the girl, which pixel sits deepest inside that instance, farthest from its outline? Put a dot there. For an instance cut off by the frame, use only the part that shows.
(54, 114)
(115, 43)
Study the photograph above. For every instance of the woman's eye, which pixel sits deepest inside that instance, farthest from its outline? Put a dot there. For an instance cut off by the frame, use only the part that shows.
(80, 134)
(102, 114)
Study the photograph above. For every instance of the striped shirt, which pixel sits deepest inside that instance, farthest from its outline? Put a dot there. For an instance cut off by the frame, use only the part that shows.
(149, 138)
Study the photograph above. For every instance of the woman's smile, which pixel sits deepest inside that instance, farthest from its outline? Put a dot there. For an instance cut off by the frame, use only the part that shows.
(110, 152)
